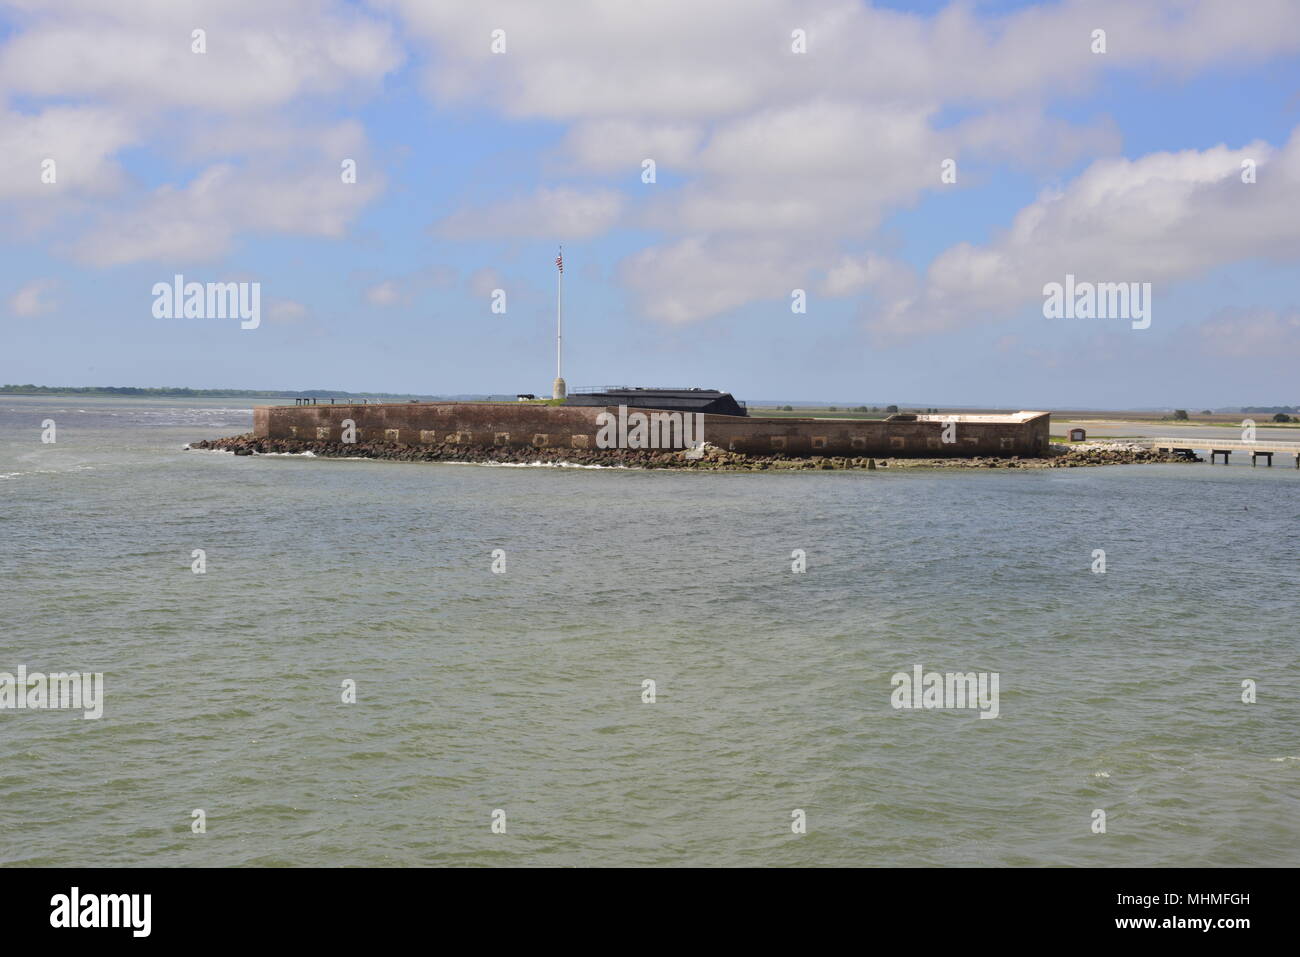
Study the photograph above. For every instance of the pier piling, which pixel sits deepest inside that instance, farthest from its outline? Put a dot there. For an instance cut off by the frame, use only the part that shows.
(1263, 448)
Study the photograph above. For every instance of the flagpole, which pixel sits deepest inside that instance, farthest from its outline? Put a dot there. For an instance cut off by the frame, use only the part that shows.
(559, 315)
(559, 391)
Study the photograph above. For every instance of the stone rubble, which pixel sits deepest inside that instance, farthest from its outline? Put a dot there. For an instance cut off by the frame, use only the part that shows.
(713, 459)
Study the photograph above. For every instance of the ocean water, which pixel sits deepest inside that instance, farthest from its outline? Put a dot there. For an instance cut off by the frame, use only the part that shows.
(522, 691)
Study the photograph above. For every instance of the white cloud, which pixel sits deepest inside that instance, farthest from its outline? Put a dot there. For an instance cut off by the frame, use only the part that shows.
(30, 300)
(402, 290)
(202, 220)
(484, 281)
(385, 293)
(682, 59)
(286, 311)
(608, 146)
(787, 158)
(824, 168)
(698, 277)
(1162, 217)
(81, 142)
(853, 274)
(560, 213)
(1251, 334)
(138, 55)
(132, 79)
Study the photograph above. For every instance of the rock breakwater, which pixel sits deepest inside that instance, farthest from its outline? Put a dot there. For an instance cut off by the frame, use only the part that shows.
(712, 458)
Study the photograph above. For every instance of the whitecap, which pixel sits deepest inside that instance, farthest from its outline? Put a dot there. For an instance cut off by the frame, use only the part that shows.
(536, 465)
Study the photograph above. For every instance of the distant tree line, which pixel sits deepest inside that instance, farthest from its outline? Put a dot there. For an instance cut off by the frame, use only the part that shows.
(177, 391)
(1279, 415)
(856, 408)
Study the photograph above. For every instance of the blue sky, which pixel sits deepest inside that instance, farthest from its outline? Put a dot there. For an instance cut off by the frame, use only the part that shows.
(775, 171)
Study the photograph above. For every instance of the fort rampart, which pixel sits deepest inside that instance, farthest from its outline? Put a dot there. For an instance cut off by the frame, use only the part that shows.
(544, 426)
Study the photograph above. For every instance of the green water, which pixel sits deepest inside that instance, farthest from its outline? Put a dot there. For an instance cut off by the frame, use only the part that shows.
(522, 691)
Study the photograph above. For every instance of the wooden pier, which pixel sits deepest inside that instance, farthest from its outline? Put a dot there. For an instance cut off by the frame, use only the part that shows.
(1225, 447)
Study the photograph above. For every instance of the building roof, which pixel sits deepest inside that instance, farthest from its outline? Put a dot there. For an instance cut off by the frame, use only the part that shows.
(709, 401)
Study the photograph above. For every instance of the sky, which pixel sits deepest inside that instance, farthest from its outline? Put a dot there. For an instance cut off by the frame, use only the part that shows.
(848, 202)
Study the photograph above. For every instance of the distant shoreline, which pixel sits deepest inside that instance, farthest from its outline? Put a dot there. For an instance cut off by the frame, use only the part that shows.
(115, 392)
(1222, 416)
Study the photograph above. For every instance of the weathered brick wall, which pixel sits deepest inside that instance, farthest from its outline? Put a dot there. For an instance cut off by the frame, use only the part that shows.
(907, 439)
(523, 424)
(431, 423)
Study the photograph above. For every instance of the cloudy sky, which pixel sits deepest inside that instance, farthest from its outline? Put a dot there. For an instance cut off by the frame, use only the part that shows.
(796, 145)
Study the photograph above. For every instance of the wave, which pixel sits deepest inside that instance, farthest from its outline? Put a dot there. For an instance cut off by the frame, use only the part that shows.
(537, 465)
(74, 468)
(370, 458)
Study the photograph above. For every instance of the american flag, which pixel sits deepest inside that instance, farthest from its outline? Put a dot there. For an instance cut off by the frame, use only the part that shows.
(559, 261)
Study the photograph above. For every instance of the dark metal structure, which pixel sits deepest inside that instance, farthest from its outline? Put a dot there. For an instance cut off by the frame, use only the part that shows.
(709, 401)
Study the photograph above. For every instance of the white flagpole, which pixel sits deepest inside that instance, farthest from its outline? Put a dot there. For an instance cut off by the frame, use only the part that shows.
(559, 313)
(560, 390)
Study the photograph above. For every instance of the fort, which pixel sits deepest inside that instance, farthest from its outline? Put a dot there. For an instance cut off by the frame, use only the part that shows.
(519, 425)
(594, 426)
